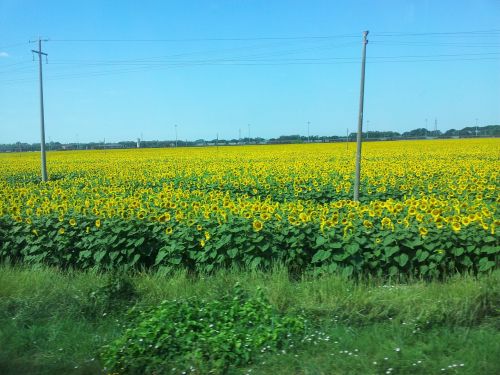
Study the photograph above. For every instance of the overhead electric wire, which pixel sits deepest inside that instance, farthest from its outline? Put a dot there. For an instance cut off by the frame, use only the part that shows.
(261, 46)
(158, 58)
(283, 54)
(180, 65)
(431, 44)
(142, 61)
(323, 60)
(460, 34)
(153, 61)
(204, 39)
(133, 65)
(444, 34)
(474, 33)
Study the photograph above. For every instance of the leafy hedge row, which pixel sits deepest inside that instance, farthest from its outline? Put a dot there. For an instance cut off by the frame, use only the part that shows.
(116, 243)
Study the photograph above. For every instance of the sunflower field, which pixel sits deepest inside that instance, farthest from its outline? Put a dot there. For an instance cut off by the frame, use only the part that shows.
(426, 208)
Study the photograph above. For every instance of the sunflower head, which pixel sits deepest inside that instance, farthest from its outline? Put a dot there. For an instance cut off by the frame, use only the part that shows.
(257, 225)
(423, 231)
(265, 216)
(386, 222)
(303, 217)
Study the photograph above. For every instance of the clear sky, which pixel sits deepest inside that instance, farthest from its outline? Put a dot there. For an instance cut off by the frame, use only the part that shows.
(121, 69)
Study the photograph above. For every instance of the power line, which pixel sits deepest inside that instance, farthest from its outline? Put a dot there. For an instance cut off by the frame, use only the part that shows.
(473, 33)
(239, 59)
(71, 75)
(491, 33)
(444, 34)
(434, 44)
(257, 58)
(246, 58)
(228, 61)
(203, 39)
(159, 59)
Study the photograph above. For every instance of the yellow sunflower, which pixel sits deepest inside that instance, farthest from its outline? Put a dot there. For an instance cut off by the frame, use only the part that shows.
(257, 225)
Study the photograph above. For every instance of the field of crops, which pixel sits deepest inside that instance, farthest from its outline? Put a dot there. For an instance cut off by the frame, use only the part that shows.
(427, 208)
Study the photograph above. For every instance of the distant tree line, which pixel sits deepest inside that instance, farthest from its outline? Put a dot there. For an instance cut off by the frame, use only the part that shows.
(420, 133)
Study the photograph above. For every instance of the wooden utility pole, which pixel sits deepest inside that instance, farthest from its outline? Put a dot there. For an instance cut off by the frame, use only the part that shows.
(42, 121)
(360, 120)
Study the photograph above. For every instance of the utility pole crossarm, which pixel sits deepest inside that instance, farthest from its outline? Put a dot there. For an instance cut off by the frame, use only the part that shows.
(40, 53)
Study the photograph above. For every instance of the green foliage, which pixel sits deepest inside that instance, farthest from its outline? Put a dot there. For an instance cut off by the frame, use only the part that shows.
(208, 336)
(124, 244)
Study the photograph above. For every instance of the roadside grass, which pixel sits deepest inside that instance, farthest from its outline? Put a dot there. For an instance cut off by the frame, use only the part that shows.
(55, 322)
(385, 348)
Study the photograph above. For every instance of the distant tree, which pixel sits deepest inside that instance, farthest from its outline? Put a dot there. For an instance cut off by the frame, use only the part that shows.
(420, 132)
(451, 133)
(293, 137)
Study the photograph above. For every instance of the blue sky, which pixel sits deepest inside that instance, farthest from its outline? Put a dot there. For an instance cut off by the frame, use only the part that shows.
(119, 70)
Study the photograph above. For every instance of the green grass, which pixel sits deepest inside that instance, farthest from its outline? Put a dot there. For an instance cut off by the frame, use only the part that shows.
(54, 322)
(373, 349)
